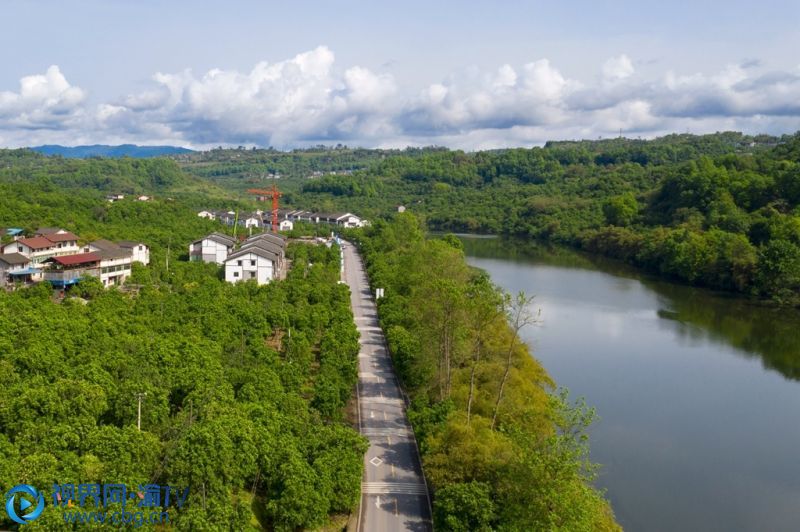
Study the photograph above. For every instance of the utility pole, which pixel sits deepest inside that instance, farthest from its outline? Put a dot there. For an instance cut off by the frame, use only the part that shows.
(139, 397)
(169, 244)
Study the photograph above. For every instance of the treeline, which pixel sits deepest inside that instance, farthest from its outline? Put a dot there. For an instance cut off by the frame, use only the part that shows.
(500, 448)
(124, 175)
(721, 210)
(245, 388)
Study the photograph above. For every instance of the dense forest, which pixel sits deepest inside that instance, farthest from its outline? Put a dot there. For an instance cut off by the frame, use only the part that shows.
(245, 391)
(501, 447)
(717, 210)
(245, 385)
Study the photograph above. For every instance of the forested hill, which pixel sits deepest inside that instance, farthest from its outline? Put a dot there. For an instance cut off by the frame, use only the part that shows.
(716, 210)
(120, 176)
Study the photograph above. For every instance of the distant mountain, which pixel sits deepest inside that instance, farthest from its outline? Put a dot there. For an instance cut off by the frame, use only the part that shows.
(102, 150)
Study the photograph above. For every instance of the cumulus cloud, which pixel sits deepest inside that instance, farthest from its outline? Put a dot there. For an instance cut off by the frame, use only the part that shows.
(310, 99)
(45, 101)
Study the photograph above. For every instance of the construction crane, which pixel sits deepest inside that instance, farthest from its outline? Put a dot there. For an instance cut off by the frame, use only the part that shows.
(262, 194)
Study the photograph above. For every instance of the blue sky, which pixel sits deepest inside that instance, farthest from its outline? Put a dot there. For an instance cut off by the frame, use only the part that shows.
(463, 74)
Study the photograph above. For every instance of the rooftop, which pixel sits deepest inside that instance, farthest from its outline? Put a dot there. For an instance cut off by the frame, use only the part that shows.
(14, 259)
(74, 260)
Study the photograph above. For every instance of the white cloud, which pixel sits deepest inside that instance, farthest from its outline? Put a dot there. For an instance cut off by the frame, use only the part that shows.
(310, 99)
(618, 68)
(46, 101)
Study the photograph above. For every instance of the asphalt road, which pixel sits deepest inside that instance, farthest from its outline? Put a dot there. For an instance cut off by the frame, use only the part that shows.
(394, 496)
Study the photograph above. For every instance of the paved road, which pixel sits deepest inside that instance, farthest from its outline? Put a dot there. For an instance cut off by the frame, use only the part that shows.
(394, 496)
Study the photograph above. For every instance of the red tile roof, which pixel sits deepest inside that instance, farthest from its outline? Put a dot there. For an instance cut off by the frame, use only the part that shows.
(36, 242)
(80, 258)
(61, 237)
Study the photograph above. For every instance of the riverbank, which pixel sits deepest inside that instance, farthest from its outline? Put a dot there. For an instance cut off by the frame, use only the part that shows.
(500, 449)
(694, 388)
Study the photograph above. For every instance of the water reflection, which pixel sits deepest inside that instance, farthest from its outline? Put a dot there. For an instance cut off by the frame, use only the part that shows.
(696, 315)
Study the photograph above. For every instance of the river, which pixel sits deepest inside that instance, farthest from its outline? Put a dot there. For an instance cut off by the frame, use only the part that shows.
(697, 393)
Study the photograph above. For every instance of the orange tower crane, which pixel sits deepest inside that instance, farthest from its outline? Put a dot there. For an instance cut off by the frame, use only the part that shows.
(262, 195)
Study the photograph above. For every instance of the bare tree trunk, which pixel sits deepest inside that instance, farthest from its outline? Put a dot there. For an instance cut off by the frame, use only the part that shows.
(475, 360)
(519, 317)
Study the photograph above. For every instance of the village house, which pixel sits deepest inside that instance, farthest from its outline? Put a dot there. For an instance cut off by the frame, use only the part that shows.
(251, 262)
(209, 215)
(68, 270)
(48, 242)
(140, 252)
(214, 248)
(115, 261)
(111, 198)
(16, 268)
(285, 225)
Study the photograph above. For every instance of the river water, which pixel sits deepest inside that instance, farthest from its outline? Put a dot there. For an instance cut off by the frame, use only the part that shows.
(697, 393)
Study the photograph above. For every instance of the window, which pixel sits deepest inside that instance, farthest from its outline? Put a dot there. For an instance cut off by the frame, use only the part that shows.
(238, 263)
(19, 249)
(252, 275)
(252, 263)
(236, 274)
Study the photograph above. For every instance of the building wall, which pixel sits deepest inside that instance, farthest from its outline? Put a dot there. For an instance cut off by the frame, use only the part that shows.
(141, 253)
(115, 271)
(210, 251)
(262, 271)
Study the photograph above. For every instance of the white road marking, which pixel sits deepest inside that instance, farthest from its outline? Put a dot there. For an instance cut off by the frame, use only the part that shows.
(399, 488)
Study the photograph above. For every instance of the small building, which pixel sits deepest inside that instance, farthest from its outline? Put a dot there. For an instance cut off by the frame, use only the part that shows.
(16, 268)
(68, 270)
(251, 220)
(347, 220)
(36, 248)
(209, 215)
(144, 198)
(214, 248)
(111, 198)
(251, 263)
(14, 232)
(401, 208)
(285, 225)
(115, 266)
(140, 252)
(65, 242)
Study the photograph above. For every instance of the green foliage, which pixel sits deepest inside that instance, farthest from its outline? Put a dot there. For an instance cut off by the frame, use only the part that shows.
(453, 348)
(714, 200)
(621, 210)
(464, 507)
(245, 385)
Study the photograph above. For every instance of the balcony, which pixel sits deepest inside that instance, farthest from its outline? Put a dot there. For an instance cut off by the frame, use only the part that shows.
(61, 278)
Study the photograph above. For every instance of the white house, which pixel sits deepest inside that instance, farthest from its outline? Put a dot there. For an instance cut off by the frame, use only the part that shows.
(207, 214)
(17, 268)
(140, 252)
(251, 221)
(40, 248)
(115, 265)
(251, 263)
(144, 198)
(285, 225)
(111, 198)
(349, 220)
(213, 248)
